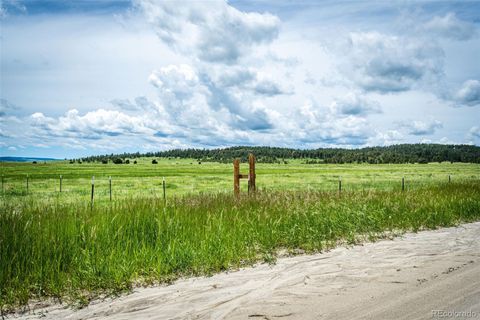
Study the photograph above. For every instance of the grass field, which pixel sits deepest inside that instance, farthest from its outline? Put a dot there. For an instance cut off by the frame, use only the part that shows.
(184, 176)
(57, 245)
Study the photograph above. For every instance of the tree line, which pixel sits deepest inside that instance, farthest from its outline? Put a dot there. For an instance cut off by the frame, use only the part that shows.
(402, 153)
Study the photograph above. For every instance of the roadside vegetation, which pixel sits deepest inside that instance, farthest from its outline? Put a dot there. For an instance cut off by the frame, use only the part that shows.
(58, 245)
(71, 251)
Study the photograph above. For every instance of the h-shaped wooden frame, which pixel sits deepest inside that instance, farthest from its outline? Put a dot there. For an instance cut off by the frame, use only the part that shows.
(237, 176)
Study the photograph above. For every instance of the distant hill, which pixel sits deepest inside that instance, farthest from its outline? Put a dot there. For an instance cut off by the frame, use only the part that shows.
(402, 153)
(24, 159)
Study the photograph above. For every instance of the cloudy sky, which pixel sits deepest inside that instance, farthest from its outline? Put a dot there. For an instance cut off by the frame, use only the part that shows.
(91, 77)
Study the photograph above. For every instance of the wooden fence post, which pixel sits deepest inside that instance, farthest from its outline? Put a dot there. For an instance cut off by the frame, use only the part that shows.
(339, 184)
(60, 183)
(236, 177)
(164, 190)
(403, 183)
(449, 179)
(251, 173)
(93, 190)
(27, 183)
(110, 185)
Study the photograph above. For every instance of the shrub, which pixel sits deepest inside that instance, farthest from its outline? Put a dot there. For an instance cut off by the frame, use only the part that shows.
(154, 161)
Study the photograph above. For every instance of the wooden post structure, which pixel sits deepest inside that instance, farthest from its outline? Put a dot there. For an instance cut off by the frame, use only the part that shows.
(403, 183)
(93, 190)
(237, 176)
(251, 173)
(339, 184)
(60, 183)
(449, 178)
(110, 185)
(164, 190)
(27, 183)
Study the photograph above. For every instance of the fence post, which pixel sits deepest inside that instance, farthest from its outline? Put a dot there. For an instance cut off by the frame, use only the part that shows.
(340, 184)
(110, 185)
(449, 179)
(251, 173)
(3, 189)
(403, 183)
(60, 183)
(164, 190)
(236, 177)
(93, 189)
(27, 183)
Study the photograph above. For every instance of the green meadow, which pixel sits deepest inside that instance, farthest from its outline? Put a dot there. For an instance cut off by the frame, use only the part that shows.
(187, 176)
(56, 245)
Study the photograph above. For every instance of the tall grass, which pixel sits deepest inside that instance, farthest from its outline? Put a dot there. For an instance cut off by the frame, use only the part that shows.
(70, 251)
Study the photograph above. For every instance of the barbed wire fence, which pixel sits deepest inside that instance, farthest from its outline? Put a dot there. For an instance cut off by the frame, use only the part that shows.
(111, 188)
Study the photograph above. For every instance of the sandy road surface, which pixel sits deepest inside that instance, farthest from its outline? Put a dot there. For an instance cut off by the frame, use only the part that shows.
(404, 278)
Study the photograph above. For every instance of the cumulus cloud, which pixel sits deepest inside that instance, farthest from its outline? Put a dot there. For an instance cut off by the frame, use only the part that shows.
(228, 77)
(215, 89)
(93, 125)
(246, 79)
(384, 63)
(421, 128)
(213, 31)
(194, 99)
(449, 26)
(268, 88)
(353, 104)
(474, 132)
(469, 93)
(316, 125)
(388, 137)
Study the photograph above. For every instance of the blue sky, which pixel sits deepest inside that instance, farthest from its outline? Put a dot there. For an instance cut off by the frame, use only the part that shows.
(93, 77)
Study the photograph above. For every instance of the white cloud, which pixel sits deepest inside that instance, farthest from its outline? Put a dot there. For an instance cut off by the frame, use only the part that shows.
(474, 132)
(211, 74)
(420, 128)
(386, 138)
(180, 91)
(213, 31)
(322, 126)
(385, 63)
(194, 100)
(469, 93)
(451, 27)
(354, 104)
(93, 125)
(257, 81)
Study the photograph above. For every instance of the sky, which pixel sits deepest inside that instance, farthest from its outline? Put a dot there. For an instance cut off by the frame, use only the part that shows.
(92, 77)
